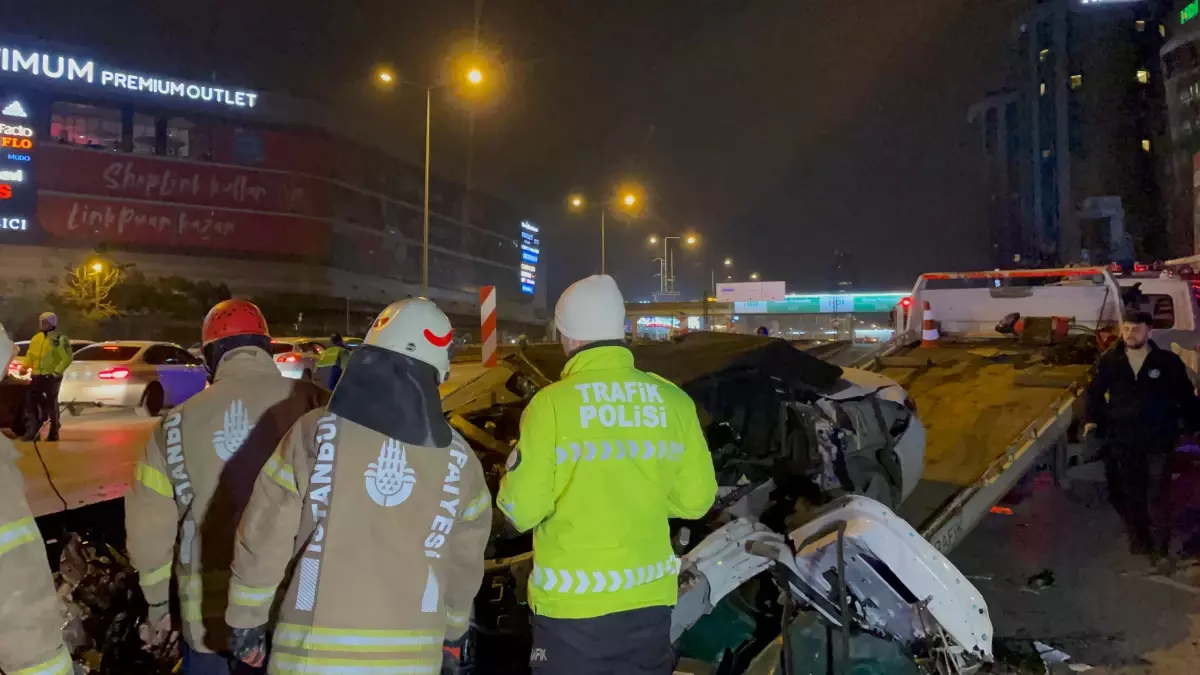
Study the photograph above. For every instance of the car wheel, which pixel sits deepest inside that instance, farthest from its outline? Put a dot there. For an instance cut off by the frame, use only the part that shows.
(152, 401)
(307, 375)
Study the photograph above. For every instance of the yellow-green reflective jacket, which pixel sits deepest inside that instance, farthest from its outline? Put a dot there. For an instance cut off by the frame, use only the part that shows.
(606, 456)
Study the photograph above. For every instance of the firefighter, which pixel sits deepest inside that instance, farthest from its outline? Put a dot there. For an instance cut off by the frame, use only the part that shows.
(30, 621)
(606, 455)
(48, 357)
(1139, 403)
(197, 474)
(381, 510)
(332, 362)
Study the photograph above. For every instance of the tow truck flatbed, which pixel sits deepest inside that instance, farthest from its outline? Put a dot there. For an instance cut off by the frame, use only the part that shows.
(992, 406)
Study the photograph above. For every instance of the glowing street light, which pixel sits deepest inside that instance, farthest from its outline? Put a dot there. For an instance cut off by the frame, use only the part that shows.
(653, 240)
(474, 76)
(691, 240)
(629, 199)
(754, 276)
(97, 267)
(729, 262)
(576, 201)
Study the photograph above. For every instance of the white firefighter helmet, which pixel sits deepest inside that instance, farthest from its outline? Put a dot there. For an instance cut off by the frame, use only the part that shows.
(417, 328)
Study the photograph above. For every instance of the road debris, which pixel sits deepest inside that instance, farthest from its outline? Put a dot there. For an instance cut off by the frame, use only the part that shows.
(1040, 581)
(103, 608)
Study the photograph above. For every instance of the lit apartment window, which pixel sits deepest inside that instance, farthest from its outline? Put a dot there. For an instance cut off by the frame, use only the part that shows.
(1146, 144)
(1143, 76)
(1042, 89)
(1046, 154)
(1043, 54)
(1141, 25)
(1076, 81)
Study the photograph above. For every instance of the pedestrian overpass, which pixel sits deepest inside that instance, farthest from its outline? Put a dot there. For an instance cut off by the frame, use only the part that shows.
(798, 316)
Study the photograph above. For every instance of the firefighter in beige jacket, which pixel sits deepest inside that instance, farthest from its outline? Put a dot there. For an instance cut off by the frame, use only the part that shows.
(199, 470)
(380, 509)
(30, 620)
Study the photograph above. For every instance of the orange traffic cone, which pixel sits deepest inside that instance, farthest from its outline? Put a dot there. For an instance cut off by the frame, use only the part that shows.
(929, 330)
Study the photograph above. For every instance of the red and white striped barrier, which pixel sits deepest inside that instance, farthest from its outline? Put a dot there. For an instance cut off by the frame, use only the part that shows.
(929, 329)
(487, 318)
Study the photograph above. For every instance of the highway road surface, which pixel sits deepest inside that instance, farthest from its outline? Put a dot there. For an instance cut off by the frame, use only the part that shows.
(94, 458)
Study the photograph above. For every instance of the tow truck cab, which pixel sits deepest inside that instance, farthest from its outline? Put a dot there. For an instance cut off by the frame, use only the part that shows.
(1173, 303)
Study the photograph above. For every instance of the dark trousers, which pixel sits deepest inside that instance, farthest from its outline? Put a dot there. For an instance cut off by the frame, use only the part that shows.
(207, 663)
(1139, 487)
(41, 404)
(637, 642)
(328, 376)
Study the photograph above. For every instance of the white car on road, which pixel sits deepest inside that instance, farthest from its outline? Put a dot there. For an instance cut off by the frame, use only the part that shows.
(142, 375)
(296, 357)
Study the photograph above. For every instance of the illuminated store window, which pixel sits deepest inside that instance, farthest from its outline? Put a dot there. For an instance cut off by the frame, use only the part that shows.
(85, 125)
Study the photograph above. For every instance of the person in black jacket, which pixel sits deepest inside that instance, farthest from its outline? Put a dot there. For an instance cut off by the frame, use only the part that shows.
(1138, 404)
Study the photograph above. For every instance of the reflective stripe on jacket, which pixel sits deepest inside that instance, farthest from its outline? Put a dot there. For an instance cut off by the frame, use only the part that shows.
(30, 621)
(606, 456)
(195, 478)
(333, 356)
(48, 354)
(387, 543)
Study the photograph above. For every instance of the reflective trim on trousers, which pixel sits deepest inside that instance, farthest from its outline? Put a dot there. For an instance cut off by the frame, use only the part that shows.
(281, 473)
(16, 533)
(59, 664)
(477, 505)
(288, 663)
(597, 581)
(153, 479)
(602, 451)
(155, 576)
(356, 640)
(249, 596)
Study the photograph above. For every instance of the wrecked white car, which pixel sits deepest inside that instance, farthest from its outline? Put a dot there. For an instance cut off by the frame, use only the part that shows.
(788, 432)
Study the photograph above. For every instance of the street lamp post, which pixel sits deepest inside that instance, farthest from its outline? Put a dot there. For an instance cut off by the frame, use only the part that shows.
(577, 203)
(474, 76)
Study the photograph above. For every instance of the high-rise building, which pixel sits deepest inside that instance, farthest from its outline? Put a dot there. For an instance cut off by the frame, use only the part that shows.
(1069, 144)
(1181, 77)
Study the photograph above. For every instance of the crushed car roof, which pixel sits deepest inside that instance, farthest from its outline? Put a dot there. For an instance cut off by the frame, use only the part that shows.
(694, 356)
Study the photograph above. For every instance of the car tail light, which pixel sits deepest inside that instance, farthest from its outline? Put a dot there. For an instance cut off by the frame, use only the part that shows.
(287, 358)
(118, 373)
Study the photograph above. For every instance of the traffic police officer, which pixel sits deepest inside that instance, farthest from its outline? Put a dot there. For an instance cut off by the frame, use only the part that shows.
(606, 455)
(48, 357)
(332, 362)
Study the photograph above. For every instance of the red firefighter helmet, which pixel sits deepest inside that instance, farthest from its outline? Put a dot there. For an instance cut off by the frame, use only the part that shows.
(232, 317)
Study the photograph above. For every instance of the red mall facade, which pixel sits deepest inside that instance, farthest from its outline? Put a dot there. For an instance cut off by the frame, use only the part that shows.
(201, 181)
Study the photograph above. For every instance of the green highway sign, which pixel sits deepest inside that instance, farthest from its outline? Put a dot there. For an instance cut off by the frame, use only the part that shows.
(842, 303)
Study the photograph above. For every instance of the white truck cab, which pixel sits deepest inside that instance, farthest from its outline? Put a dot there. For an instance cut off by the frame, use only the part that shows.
(1174, 307)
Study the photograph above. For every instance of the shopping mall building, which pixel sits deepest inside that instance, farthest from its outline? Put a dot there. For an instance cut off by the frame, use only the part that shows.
(216, 182)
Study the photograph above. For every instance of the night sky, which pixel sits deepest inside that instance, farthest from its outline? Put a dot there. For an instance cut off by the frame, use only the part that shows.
(776, 130)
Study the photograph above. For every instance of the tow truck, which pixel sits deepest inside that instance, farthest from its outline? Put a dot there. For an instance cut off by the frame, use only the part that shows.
(998, 392)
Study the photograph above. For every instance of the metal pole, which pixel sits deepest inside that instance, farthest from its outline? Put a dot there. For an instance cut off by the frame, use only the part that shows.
(602, 242)
(425, 218)
(672, 290)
